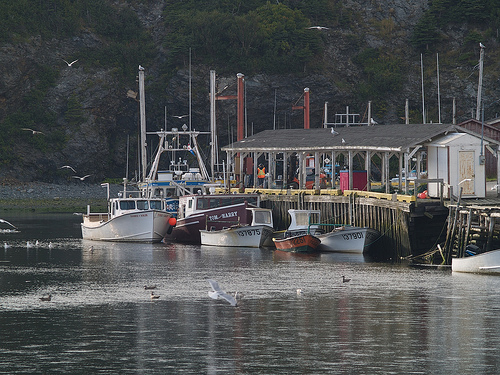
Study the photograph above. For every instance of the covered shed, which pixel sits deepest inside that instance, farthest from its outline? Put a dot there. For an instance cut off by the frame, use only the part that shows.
(290, 154)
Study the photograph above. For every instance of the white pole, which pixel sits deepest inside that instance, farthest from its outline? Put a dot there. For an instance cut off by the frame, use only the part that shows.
(480, 85)
(325, 120)
(454, 111)
(142, 103)
(213, 125)
(439, 95)
(407, 112)
(274, 117)
(369, 113)
(423, 96)
(189, 91)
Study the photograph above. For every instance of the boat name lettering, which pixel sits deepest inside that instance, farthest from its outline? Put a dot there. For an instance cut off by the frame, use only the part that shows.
(249, 232)
(352, 236)
(298, 240)
(139, 215)
(222, 216)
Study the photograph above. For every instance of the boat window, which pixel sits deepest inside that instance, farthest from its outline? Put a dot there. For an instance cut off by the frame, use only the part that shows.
(201, 203)
(190, 204)
(155, 205)
(142, 205)
(127, 205)
(302, 218)
(262, 217)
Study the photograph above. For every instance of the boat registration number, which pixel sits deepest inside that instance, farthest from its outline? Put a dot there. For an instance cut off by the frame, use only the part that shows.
(352, 236)
(249, 232)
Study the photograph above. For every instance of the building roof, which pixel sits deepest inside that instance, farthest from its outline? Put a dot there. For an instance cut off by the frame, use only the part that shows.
(391, 138)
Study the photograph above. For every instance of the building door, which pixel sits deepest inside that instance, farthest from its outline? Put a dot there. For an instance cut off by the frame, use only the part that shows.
(466, 172)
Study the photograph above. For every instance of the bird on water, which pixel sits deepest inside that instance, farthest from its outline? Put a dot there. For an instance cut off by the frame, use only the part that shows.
(345, 279)
(46, 298)
(154, 296)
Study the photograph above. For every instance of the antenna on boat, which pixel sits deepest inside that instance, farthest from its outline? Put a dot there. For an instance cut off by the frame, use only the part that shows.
(439, 94)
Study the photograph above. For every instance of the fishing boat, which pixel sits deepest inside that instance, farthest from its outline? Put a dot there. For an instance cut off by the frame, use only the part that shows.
(304, 243)
(196, 210)
(300, 237)
(487, 262)
(129, 218)
(348, 239)
(257, 234)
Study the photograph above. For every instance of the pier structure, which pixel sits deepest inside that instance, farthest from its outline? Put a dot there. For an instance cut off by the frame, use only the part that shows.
(317, 169)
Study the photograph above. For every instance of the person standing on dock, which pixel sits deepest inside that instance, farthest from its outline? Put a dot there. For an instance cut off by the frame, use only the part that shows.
(261, 174)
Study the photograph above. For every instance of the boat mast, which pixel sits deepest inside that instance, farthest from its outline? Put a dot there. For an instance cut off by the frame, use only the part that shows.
(142, 103)
(213, 132)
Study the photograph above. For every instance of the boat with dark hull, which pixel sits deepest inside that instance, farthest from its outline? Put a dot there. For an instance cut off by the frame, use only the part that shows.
(195, 211)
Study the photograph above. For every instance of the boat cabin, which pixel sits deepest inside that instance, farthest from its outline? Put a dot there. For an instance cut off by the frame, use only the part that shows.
(261, 216)
(119, 206)
(303, 222)
(192, 204)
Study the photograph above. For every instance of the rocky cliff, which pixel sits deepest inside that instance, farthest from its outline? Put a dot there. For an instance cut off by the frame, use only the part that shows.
(90, 119)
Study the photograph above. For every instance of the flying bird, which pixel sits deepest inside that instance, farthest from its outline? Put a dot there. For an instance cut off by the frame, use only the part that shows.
(33, 131)
(345, 280)
(68, 167)
(6, 222)
(181, 116)
(71, 63)
(217, 292)
(317, 27)
(82, 178)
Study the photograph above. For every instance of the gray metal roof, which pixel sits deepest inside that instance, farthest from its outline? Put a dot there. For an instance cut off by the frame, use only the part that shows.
(392, 138)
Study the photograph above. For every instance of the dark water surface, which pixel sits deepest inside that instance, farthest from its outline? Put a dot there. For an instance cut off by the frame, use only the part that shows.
(389, 319)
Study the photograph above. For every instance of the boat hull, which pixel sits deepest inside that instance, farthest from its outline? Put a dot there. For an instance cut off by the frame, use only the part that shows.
(247, 236)
(488, 263)
(354, 240)
(147, 226)
(298, 244)
(187, 230)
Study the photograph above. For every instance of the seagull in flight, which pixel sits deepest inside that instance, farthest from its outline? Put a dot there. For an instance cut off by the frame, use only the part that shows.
(6, 222)
(68, 167)
(82, 178)
(317, 28)
(33, 131)
(217, 292)
(181, 116)
(71, 63)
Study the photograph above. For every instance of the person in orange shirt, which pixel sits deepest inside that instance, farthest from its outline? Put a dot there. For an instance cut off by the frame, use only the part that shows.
(261, 174)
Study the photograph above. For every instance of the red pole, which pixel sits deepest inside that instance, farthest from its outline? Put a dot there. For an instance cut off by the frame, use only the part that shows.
(306, 108)
(241, 106)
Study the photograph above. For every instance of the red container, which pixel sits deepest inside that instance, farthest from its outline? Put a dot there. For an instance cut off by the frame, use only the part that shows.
(359, 180)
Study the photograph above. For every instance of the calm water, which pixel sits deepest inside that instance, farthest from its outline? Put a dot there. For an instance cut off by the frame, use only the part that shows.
(388, 319)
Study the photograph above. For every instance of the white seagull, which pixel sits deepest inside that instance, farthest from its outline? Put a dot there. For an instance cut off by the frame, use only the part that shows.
(71, 63)
(317, 27)
(481, 45)
(82, 178)
(6, 222)
(68, 167)
(373, 122)
(343, 140)
(181, 116)
(334, 132)
(33, 131)
(219, 293)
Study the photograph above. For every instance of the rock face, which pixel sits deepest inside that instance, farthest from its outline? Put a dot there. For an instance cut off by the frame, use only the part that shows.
(107, 119)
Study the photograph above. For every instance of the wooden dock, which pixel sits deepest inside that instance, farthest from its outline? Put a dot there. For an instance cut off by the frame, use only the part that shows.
(407, 229)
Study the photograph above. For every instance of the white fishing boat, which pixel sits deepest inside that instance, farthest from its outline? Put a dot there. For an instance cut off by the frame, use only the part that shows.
(303, 222)
(129, 219)
(348, 239)
(487, 262)
(257, 234)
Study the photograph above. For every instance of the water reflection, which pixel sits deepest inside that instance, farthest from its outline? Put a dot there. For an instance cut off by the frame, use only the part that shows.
(389, 319)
